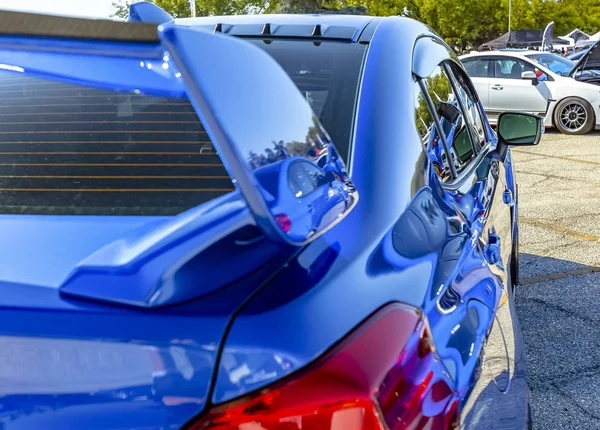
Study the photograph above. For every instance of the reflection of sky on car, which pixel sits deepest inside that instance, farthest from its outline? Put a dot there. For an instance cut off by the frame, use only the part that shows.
(291, 124)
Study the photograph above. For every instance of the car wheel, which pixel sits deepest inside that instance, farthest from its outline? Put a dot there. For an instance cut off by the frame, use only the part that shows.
(574, 116)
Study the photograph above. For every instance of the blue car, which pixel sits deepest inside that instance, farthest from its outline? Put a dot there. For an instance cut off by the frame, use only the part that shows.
(297, 181)
(577, 55)
(148, 279)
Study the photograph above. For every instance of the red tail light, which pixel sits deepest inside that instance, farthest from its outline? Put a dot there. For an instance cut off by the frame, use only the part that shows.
(284, 222)
(386, 375)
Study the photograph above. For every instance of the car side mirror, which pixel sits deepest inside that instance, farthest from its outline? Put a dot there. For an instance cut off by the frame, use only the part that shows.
(530, 76)
(518, 129)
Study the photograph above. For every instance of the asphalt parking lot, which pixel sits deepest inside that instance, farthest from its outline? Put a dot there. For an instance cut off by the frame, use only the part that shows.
(558, 300)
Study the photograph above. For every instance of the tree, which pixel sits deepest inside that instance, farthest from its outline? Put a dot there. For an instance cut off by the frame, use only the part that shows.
(120, 9)
(181, 8)
(463, 24)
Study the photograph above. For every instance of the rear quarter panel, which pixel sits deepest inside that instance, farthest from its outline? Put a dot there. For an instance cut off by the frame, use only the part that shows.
(341, 278)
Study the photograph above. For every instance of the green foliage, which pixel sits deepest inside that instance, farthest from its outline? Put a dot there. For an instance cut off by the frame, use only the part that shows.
(439, 89)
(469, 23)
(120, 9)
(463, 23)
(181, 8)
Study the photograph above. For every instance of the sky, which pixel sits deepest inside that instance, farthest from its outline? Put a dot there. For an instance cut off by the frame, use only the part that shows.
(81, 8)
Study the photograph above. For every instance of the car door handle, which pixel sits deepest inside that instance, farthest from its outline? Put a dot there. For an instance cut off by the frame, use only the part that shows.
(497, 87)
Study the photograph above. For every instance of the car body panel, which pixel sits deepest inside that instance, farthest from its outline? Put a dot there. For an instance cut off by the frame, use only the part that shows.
(58, 250)
(294, 316)
(100, 364)
(483, 88)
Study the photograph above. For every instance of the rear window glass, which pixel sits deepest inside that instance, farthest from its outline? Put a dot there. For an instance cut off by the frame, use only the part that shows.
(327, 74)
(66, 149)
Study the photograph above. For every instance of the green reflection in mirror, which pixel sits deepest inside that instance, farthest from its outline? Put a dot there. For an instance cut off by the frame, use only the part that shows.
(518, 129)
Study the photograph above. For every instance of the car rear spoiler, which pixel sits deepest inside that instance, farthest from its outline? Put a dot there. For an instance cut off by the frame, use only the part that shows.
(148, 12)
(49, 26)
(157, 265)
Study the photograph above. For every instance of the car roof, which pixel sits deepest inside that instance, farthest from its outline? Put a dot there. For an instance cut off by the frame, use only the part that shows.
(301, 19)
(330, 25)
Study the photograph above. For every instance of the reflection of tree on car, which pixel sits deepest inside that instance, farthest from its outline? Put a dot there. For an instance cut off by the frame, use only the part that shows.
(303, 196)
(312, 148)
(452, 123)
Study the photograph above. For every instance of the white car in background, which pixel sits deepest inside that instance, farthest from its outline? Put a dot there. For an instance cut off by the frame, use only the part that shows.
(541, 83)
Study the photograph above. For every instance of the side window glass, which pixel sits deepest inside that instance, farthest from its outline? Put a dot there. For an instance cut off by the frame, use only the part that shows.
(511, 68)
(453, 123)
(430, 139)
(317, 177)
(478, 67)
(474, 114)
(299, 182)
(423, 118)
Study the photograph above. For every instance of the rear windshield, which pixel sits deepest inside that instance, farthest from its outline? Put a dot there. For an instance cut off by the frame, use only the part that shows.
(328, 75)
(66, 149)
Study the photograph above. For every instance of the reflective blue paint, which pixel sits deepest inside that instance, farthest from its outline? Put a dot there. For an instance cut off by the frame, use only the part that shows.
(147, 12)
(225, 96)
(384, 175)
(147, 267)
(307, 212)
(98, 364)
(58, 245)
(128, 67)
(71, 366)
(341, 278)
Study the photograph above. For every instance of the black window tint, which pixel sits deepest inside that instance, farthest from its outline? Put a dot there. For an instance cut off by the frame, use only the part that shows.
(478, 67)
(327, 74)
(77, 150)
(453, 124)
(69, 149)
(511, 68)
(462, 146)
